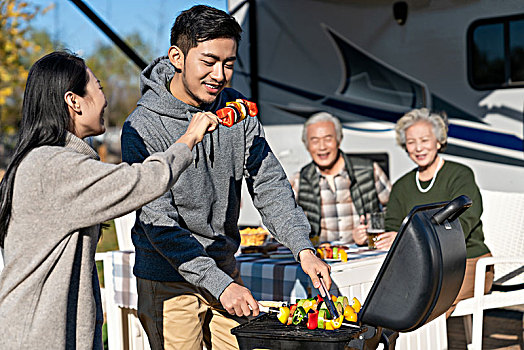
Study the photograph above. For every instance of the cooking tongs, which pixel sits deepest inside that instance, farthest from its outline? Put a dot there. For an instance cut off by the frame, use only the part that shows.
(327, 299)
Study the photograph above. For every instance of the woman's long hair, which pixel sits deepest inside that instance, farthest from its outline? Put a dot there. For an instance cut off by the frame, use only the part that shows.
(45, 116)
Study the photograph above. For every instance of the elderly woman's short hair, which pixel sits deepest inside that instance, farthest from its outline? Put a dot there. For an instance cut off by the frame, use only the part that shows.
(437, 121)
(322, 117)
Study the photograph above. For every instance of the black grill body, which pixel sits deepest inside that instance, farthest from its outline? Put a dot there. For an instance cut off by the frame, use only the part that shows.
(417, 282)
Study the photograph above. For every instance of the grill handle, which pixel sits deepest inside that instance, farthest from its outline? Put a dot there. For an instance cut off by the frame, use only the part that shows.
(452, 210)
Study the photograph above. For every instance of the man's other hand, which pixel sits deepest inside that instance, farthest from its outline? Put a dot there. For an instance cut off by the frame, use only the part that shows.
(237, 300)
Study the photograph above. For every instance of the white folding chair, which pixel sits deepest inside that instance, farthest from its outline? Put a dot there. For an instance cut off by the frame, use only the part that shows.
(503, 225)
(123, 226)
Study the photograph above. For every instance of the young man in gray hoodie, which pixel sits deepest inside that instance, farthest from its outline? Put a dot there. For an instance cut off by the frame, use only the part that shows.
(189, 289)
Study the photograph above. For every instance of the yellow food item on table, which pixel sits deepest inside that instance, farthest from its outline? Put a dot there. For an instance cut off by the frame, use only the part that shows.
(342, 255)
(253, 236)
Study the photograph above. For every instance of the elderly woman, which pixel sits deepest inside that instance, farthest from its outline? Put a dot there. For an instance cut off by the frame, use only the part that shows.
(423, 135)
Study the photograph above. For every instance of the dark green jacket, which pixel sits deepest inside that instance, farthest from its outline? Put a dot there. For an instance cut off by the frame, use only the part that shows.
(452, 180)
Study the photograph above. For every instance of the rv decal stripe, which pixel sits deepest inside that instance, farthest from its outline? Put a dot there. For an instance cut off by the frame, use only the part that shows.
(486, 137)
(471, 153)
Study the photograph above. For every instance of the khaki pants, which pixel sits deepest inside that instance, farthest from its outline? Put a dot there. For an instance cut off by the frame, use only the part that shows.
(178, 315)
(468, 285)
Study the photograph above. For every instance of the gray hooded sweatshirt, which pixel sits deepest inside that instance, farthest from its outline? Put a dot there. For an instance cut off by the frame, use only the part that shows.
(191, 233)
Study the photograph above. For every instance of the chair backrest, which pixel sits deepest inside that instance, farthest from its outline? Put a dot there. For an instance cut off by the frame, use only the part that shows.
(123, 226)
(503, 225)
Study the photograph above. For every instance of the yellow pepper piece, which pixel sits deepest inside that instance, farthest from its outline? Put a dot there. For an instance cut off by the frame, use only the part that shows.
(355, 304)
(335, 323)
(350, 314)
(283, 314)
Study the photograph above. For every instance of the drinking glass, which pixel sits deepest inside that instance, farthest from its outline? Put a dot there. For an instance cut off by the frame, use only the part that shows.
(376, 226)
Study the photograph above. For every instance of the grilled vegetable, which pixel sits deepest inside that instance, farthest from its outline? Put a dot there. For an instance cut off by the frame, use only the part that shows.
(236, 111)
(355, 304)
(283, 314)
(291, 314)
(299, 315)
(322, 318)
(334, 323)
(350, 314)
(312, 319)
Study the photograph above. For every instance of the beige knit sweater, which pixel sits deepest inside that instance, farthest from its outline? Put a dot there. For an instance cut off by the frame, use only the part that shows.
(49, 292)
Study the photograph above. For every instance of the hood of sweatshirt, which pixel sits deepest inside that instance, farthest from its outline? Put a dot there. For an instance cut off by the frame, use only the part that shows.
(156, 96)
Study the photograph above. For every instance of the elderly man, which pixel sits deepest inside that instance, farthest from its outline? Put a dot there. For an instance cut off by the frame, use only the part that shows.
(335, 190)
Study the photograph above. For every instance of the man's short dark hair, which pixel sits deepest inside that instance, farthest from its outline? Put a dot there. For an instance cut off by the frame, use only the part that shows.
(202, 23)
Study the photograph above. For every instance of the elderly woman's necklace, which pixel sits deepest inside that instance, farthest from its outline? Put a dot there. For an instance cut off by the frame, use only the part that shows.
(424, 190)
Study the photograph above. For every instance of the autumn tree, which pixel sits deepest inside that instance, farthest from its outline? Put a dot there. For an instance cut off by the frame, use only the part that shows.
(119, 76)
(17, 49)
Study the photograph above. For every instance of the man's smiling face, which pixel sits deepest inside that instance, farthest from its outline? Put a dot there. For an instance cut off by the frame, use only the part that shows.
(322, 144)
(205, 71)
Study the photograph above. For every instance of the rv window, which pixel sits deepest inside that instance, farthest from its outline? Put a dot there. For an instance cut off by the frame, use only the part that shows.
(516, 46)
(496, 53)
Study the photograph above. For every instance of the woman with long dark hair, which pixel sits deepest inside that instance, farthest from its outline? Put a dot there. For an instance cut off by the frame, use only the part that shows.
(53, 196)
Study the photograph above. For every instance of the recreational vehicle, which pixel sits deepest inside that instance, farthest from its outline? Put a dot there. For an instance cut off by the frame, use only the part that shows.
(370, 61)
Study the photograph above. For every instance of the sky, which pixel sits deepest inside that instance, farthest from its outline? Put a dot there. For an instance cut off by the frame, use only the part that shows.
(151, 18)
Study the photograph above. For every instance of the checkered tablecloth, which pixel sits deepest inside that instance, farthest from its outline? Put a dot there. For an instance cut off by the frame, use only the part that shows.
(267, 278)
(124, 282)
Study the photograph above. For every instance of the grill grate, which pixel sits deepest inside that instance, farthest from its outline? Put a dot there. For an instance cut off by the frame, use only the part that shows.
(268, 326)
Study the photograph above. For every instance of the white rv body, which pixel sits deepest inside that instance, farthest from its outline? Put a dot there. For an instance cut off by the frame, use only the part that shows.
(309, 50)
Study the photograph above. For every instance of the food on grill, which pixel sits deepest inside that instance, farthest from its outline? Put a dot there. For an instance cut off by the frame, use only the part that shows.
(350, 314)
(292, 309)
(343, 300)
(236, 111)
(253, 236)
(355, 304)
(312, 319)
(299, 316)
(283, 314)
(334, 323)
(314, 313)
(322, 318)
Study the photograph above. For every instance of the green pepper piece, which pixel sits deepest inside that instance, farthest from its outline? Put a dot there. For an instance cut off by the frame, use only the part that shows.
(299, 315)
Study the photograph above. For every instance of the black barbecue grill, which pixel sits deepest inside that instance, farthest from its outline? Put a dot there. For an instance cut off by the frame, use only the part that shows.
(418, 281)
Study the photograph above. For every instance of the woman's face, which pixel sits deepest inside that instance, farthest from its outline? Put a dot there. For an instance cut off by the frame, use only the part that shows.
(91, 120)
(421, 144)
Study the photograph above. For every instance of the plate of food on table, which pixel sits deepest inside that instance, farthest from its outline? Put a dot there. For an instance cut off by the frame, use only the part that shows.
(257, 240)
(332, 252)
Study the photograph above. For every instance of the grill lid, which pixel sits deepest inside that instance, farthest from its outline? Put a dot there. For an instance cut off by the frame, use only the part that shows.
(423, 271)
